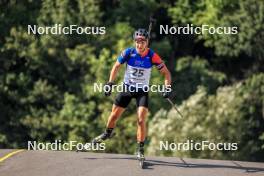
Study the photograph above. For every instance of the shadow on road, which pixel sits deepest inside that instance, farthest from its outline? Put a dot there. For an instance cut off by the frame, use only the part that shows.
(150, 164)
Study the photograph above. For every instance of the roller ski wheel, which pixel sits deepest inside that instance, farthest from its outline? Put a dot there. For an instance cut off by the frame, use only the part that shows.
(141, 160)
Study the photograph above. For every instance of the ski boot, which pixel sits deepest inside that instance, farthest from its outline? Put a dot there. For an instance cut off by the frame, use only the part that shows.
(102, 137)
(106, 135)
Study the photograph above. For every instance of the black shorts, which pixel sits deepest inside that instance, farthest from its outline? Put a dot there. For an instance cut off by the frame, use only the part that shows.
(124, 98)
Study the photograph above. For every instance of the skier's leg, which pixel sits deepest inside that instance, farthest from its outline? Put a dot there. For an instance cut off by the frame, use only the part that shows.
(117, 111)
(141, 123)
(114, 116)
(121, 102)
(141, 130)
(142, 112)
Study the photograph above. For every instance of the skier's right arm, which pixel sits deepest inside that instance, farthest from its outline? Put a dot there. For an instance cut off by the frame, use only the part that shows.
(114, 71)
(120, 60)
(112, 77)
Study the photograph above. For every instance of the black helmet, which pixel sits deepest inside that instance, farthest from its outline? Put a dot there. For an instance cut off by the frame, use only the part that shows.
(141, 33)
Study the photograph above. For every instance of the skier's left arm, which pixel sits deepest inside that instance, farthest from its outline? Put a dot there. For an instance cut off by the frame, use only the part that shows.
(160, 65)
(164, 71)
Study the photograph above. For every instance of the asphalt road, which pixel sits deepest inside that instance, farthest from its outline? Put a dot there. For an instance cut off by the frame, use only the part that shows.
(65, 163)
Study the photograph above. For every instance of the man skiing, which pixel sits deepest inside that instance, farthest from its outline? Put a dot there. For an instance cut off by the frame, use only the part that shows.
(139, 61)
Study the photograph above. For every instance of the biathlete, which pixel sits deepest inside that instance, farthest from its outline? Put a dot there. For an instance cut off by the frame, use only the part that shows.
(139, 61)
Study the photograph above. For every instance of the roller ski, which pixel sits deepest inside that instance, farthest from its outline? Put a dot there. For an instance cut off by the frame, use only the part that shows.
(101, 138)
(141, 157)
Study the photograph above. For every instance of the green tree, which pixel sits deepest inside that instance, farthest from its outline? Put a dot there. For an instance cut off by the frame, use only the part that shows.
(233, 115)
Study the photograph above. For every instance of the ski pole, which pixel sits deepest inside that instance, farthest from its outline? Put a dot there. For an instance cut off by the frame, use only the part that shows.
(151, 21)
(174, 106)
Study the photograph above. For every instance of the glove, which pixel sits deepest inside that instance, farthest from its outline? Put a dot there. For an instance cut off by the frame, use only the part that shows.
(166, 93)
(108, 89)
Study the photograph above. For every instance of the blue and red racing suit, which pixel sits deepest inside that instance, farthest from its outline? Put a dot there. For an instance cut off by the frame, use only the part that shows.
(138, 67)
(137, 75)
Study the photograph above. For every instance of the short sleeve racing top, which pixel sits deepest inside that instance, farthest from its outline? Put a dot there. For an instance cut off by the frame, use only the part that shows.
(138, 67)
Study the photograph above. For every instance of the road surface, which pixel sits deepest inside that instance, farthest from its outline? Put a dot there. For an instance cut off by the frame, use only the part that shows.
(68, 163)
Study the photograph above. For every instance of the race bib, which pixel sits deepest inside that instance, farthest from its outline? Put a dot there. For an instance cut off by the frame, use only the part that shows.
(137, 76)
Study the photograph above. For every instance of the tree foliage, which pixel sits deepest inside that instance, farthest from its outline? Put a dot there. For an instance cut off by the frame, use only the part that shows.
(232, 115)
